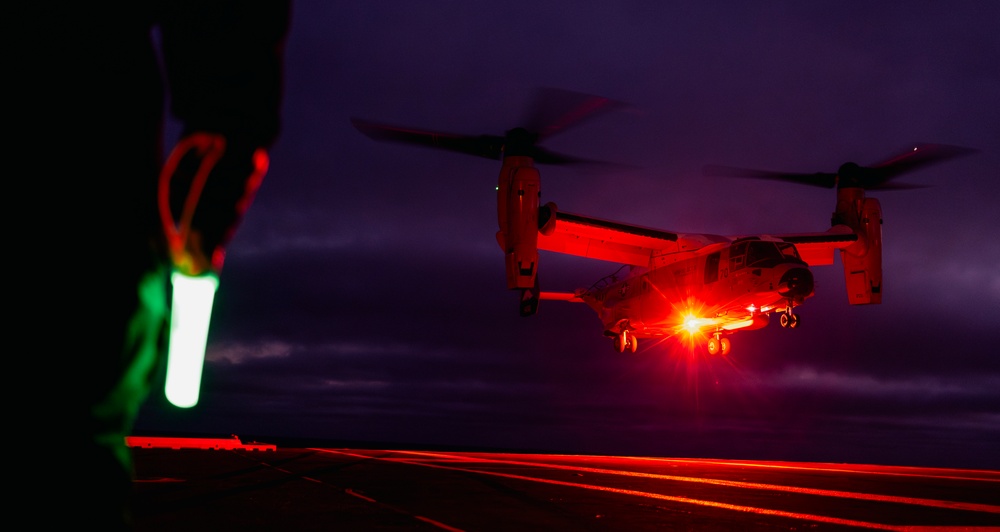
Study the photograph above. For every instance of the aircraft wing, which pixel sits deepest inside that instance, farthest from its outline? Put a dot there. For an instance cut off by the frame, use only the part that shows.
(596, 238)
(818, 249)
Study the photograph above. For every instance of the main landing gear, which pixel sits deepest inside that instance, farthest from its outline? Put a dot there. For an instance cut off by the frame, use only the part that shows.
(788, 319)
(626, 340)
(719, 344)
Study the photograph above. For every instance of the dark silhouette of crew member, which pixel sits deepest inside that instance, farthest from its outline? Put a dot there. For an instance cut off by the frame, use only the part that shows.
(92, 246)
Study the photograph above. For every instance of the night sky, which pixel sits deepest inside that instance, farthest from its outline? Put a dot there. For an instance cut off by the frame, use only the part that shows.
(363, 298)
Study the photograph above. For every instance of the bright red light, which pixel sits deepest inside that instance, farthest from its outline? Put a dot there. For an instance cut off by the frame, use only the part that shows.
(691, 324)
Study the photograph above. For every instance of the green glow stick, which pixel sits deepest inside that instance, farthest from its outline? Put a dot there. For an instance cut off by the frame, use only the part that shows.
(193, 297)
(194, 291)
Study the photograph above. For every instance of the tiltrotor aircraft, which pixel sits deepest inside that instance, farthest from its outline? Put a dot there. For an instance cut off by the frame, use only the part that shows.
(705, 284)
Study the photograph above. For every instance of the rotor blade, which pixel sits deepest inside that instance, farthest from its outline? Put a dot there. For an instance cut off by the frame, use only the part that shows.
(555, 110)
(920, 156)
(896, 186)
(544, 156)
(818, 179)
(874, 177)
(488, 146)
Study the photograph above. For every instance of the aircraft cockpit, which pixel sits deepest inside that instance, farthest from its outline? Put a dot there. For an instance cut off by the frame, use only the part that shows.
(761, 254)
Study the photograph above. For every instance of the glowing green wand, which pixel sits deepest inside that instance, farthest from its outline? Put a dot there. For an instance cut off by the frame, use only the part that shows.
(197, 259)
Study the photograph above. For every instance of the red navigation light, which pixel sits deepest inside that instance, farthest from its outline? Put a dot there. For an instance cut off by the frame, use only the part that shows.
(691, 324)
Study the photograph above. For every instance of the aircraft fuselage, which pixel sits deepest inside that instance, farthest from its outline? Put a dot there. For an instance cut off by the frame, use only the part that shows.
(719, 289)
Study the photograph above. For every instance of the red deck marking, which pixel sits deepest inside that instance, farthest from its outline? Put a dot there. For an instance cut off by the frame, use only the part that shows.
(437, 524)
(358, 495)
(686, 500)
(975, 507)
(382, 504)
(234, 443)
(983, 475)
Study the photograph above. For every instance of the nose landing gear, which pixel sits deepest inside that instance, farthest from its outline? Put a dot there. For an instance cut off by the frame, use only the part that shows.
(788, 319)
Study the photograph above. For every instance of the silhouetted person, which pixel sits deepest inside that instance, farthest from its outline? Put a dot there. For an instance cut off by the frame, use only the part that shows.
(90, 241)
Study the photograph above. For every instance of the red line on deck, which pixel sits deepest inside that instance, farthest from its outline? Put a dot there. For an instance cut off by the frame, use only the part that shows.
(686, 500)
(951, 505)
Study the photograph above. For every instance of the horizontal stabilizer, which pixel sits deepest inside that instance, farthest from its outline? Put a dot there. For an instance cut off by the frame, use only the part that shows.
(561, 296)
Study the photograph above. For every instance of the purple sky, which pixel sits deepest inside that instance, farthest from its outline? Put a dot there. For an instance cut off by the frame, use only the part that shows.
(364, 298)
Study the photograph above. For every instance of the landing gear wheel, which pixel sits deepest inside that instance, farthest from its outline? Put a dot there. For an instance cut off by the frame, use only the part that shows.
(784, 320)
(619, 344)
(633, 343)
(725, 346)
(793, 321)
(714, 346)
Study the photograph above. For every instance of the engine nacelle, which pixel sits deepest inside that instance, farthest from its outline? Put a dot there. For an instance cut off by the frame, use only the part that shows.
(518, 194)
(863, 259)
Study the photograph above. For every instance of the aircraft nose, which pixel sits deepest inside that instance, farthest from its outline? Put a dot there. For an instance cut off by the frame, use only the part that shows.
(797, 282)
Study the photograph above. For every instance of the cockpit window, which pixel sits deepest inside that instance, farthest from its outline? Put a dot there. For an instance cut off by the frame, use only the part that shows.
(737, 256)
(788, 251)
(763, 254)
